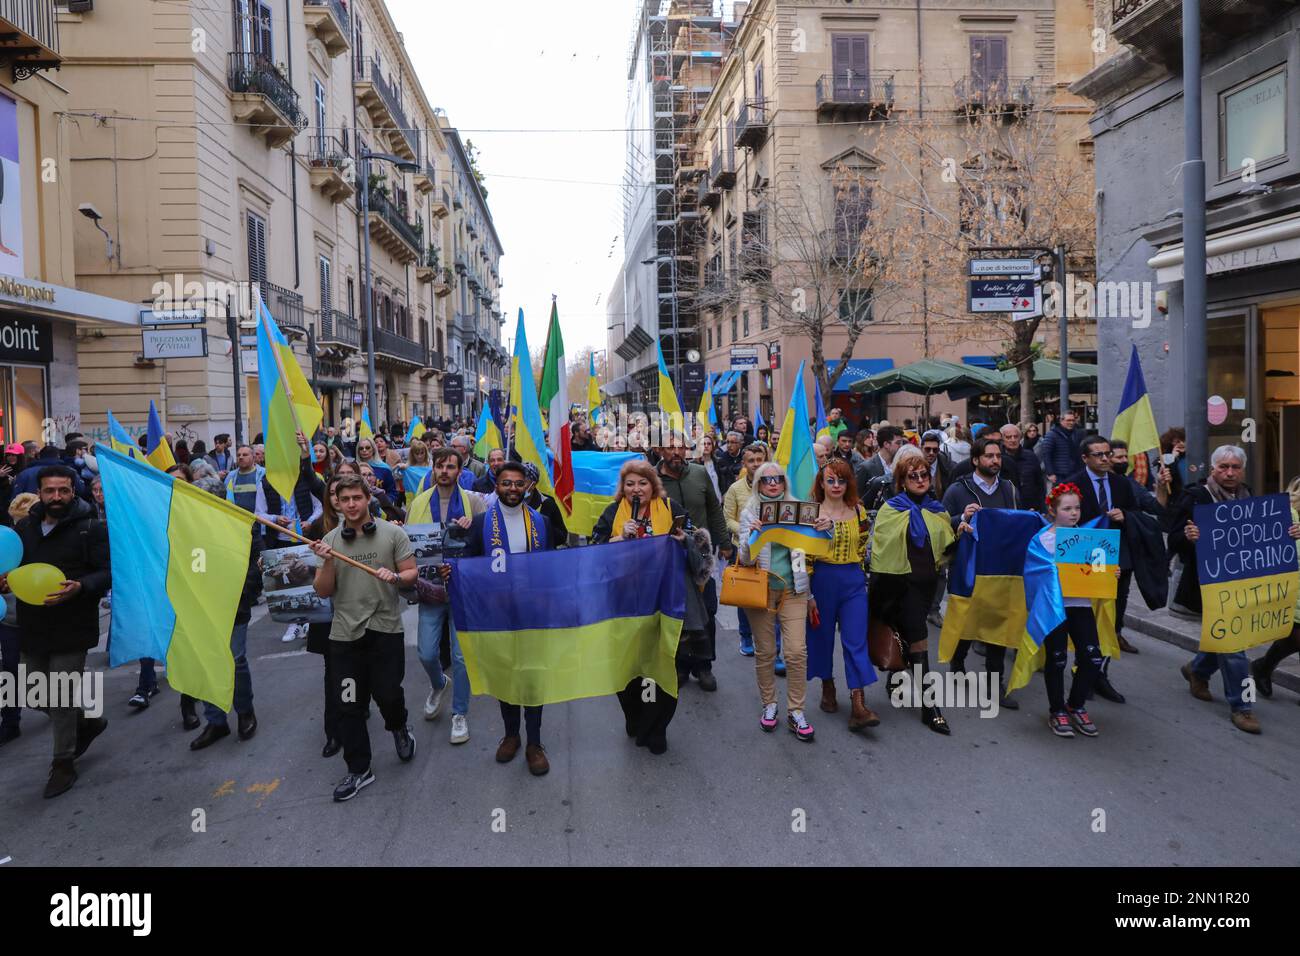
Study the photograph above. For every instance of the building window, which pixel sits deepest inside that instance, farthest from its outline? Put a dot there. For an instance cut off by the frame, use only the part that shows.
(744, 324)
(256, 249)
(850, 62)
(352, 292)
(326, 286)
(988, 63)
(763, 319)
(733, 328)
(855, 306)
(710, 338)
(318, 98)
(1252, 122)
(852, 212)
(253, 28)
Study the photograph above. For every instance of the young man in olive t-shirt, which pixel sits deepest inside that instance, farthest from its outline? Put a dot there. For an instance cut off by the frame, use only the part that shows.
(366, 640)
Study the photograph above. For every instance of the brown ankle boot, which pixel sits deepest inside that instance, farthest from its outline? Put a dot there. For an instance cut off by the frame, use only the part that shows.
(829, 703)
(862, 715)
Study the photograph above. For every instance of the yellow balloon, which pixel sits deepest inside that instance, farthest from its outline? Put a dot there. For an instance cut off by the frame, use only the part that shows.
(33, 583)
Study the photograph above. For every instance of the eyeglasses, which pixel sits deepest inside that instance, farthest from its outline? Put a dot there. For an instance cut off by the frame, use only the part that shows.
(918, 476)
(771, 480)
(834, 481)
(1100, 454)
(512, 484)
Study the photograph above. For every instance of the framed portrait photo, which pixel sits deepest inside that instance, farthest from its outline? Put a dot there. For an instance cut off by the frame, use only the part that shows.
(808, 512)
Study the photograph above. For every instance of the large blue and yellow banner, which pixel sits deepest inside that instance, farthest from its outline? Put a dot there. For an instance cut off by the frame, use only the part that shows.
(531, 637)
(986, 585)
(180, 558)
(595, 483)
(1248, 572)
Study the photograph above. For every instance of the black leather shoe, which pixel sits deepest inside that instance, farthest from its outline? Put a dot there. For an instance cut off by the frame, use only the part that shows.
(405, 744)
(62, 776)
(88, 730)
(1007, 703)
(189, 718)
(1106, 690)
(1263, 678)
(706, 679)
(211, 734)
(247, 725)
(331, 747)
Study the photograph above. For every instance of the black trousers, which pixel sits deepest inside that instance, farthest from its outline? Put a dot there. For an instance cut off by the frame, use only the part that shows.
(318, 642)
(1080, 627)
(903, 602)
(371, 667)
(532, 721)
(995, 656)
(646, 720)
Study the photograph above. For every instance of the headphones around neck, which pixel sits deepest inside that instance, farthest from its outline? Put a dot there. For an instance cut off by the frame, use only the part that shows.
(349, 533)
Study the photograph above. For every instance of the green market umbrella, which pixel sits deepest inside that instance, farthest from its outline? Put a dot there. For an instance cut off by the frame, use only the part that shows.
(927, 376)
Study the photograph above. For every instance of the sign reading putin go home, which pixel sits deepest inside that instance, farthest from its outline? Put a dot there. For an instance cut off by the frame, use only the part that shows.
(1248, 573)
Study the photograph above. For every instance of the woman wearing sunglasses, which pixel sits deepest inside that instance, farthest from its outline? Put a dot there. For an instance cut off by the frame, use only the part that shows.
(839, 595)
(910, 541)
(787, 601)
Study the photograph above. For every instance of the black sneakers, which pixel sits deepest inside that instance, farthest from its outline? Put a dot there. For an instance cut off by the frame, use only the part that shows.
(352, 784)
(405, 744)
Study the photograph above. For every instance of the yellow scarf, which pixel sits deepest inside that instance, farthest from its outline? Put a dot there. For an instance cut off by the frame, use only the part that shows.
(661, 516)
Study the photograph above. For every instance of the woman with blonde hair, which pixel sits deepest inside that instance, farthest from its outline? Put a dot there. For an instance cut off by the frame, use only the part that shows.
(641, 509)
(788, 592)
(911, 539)
(1262, 668)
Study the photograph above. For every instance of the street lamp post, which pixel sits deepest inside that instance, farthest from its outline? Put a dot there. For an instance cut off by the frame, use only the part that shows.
(364, 157)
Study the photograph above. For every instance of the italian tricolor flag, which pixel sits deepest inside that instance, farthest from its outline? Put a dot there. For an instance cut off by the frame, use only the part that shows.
(554, 398)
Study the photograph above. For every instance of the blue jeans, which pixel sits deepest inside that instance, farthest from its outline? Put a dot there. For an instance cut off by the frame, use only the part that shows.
(430, 637)
(1235, 668)
(243, 680)
(148, 676)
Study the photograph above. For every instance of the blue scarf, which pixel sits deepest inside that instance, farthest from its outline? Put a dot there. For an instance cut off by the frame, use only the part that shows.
(494, 530)
(917, 532)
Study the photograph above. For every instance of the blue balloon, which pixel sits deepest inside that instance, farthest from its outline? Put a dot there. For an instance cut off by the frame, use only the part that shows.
(11, 549)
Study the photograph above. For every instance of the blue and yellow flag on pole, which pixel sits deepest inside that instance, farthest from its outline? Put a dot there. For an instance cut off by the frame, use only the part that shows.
(823, 426)
(794, 451)
(1135, 422)
(365, 429)
(986, 585)
(157, 450)
(287, 401)
(416, 430)
(595, 413)
(595, 483)
(414, 478)
(706, 415)
(120, 440)
(530, 439)
(528, 640)
(758, 417)
(180, 559)
(670, 409)
(487, 435)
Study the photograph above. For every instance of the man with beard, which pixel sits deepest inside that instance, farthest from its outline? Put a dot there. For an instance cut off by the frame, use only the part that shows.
(512, 527)
(62, 530)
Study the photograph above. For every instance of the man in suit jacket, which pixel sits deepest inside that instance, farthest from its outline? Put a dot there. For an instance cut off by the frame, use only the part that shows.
(890, 439)
(1106, 493)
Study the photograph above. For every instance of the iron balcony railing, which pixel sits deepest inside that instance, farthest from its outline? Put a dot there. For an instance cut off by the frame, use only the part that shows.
(34, 18)
(336, 326)
(386, 208)
(393, 102)
(994, 91)
(751, 123)
(851, 89)
(340, 10)
(328, 151)
(254, 73)
(399, 346)
(285, 306)
(1126, 8)
(722, 171)
(434, 361)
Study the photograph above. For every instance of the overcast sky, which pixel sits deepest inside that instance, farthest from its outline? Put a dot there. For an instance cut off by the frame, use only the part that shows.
(517, 77)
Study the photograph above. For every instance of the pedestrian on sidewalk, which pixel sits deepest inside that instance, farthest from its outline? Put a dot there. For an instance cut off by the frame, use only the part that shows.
(54, 637)
(511, 527)
(366, 636)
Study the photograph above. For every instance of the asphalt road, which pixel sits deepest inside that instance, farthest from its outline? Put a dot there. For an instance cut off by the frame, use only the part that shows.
(1177, 783)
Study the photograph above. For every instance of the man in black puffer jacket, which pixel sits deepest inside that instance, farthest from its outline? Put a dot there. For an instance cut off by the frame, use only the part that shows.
(62, 530)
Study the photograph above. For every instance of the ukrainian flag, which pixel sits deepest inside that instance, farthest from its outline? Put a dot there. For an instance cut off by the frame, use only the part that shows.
(1045, 610)
(487, 435)
(1135, 423)
(530, 440)
(706, 415)
(758, 418)
(794, 451)
(595, 482)
(413, 481)
(823, 426)
(595, 414)
(365, 430)
(986, 585)
(288, 403)
(528, 641)
(670, 409)
(810, 541)
(121, 442)
(416, 430)
(180, 558)
(157, 450)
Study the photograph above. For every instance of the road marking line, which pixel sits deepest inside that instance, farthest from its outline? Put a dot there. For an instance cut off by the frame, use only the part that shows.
(5, 860)
(271, 657)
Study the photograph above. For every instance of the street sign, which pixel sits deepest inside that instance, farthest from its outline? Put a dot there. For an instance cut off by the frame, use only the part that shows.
(1001, 295)
(171, 316)
(175, 343)
(248, 361)
(453, 390)
(744, 357)
(248, 341)
(774, 356)
(1034, 310)
(1003, 267)
(693, 378)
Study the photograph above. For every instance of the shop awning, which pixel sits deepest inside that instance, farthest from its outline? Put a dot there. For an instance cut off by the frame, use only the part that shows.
(980, 361)
(857, 370)
(1047, 373)
(927, 376)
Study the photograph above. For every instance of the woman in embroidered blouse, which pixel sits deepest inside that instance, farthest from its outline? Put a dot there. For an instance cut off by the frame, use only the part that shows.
(839, 595)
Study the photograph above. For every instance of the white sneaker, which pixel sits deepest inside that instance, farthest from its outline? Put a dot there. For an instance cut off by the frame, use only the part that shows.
(291, 634)
(433, 703)
(459, 729)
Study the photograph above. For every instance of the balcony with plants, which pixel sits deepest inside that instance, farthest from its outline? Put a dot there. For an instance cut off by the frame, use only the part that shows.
(263, 98)
(332, 169)
(389, 225)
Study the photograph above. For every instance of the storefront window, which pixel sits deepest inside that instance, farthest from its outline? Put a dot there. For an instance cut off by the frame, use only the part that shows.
(22, 403)
(1252, 122)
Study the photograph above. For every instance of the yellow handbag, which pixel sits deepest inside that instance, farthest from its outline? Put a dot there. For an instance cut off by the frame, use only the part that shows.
(744, 587)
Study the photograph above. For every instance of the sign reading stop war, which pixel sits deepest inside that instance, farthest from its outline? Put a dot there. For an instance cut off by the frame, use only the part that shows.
(1247, 564)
